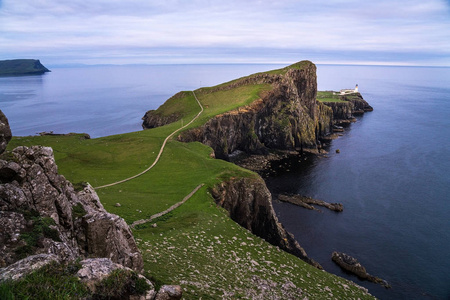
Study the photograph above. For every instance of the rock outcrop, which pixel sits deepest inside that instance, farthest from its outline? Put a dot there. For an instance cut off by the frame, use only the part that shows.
(353, 266)
(249, 204)
(287, 118)
(41, 213)
(5, 132)
(306, 202)
(352, 105)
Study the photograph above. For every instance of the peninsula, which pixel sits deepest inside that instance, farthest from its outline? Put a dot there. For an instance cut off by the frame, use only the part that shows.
(223, 240)
(20, 67)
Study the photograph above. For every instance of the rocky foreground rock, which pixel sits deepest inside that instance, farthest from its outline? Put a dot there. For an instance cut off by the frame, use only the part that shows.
(72, 223)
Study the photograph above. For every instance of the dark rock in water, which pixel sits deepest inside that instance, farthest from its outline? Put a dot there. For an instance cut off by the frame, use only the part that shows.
(83, 136)
(249, 204)
(5, 132)
(73, 224)
(307, 201)
(352, 265)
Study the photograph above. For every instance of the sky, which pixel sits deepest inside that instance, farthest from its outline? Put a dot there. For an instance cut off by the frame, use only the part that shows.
(381, 32)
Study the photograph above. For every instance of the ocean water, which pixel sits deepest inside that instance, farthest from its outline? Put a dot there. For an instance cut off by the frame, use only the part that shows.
(392, 173)
(102, 100)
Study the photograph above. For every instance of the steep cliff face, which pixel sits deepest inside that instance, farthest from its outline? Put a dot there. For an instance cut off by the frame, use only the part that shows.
(41, 213)
(352, 105)
(288, 118)
(249, 204)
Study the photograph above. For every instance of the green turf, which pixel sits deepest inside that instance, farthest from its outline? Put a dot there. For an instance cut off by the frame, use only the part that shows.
(328, 96)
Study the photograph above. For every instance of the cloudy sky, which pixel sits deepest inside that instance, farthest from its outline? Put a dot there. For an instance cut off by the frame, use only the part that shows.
(400, 32)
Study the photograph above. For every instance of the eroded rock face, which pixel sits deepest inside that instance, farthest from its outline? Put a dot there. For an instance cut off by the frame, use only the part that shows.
(249, 204)
(353, 105)
(37, 201)
(5, 132)
(287, 118)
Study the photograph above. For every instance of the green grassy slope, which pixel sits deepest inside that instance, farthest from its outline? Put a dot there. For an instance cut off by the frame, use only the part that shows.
(196, 245)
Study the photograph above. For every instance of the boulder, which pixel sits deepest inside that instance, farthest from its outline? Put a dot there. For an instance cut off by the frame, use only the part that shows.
(5, 132)
(26, 266)
(169, 292)
(94, 270)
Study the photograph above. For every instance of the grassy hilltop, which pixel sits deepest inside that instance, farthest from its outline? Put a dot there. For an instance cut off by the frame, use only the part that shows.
(197, 245)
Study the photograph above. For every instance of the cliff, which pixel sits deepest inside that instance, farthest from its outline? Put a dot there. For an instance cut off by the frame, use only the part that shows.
(249, 204)
(41, 213)
(286, 118)
(347, 107)
(17, 67)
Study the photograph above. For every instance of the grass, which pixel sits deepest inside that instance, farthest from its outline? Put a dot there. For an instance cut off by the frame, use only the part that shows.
(119, 284)
(59, 281)
(197, 244)
(39, 229)
(54, 281)
(328, 96)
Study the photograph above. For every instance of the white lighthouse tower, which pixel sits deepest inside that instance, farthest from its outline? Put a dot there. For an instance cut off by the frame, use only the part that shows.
(356, 88)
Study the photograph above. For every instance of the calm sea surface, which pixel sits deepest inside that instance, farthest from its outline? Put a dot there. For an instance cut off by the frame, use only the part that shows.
(392, 175)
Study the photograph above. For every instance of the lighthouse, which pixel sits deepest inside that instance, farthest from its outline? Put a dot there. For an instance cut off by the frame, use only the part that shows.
(356, 88)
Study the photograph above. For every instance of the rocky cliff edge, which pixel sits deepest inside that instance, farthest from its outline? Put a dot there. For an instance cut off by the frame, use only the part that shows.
(287, 118)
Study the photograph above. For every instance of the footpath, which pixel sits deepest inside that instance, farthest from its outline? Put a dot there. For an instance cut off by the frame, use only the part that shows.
(160, 151)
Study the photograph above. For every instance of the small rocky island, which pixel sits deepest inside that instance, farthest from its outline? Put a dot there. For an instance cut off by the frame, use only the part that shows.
(21, 67)
(352, 265)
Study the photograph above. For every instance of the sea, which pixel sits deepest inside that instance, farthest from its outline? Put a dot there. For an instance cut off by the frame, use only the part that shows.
(392, 172)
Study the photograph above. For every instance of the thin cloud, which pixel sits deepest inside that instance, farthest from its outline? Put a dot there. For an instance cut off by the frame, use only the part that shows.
(101, 29)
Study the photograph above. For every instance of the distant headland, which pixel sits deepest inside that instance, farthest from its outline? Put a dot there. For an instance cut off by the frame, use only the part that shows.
(20, 67)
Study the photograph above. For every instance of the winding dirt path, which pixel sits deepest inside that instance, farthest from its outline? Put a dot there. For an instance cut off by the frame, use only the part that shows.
(160, 151)
(176, 205)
